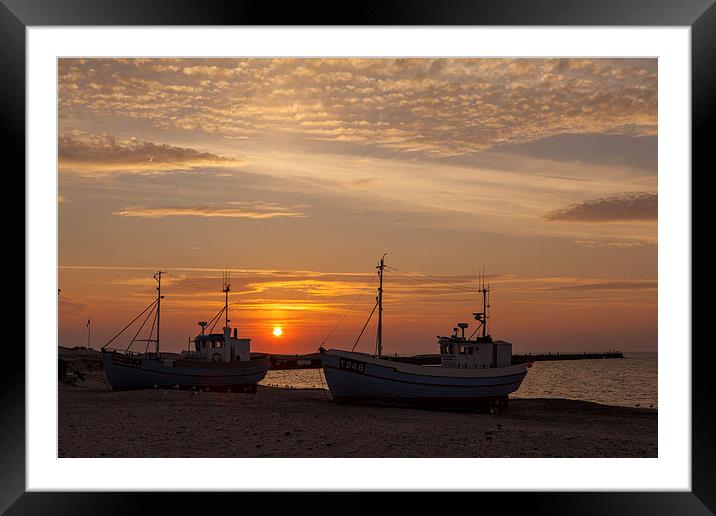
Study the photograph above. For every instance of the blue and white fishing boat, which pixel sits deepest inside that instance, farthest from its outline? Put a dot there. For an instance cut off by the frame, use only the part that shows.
(218, 362)
(473, 372)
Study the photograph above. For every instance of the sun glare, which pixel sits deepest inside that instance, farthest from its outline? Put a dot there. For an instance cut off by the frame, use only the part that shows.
(277, 331)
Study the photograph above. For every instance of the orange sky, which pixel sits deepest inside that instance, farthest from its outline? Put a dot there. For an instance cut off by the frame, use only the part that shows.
(298, 174)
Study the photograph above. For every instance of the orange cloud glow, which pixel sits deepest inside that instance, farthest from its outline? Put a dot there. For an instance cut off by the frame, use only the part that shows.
(295, 174)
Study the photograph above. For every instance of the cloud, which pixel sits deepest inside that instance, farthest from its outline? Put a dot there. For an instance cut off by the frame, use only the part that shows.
(619, 244)
(242, 210)
(362, 182)
(442, 107)
(609, 285)
(509, 195)
(626, 207)
(67, 305)
(267, 289)
(101, 153)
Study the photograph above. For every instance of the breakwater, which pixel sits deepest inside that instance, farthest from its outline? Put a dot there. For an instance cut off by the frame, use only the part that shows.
(88, 360)
(313, 360)
(528, 357)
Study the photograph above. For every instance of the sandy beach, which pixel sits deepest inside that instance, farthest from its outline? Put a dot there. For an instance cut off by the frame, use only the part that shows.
(277, 422)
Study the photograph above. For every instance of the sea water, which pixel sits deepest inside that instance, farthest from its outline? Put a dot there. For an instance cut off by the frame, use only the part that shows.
(630, 381)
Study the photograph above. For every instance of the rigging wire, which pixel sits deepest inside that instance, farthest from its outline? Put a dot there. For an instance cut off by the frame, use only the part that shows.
(365, 325)
(345, 314)
(474, 332)
(131, 323)
(151, 332)
(215, 319)
(140, 329)
(425, 278)
(188, 282)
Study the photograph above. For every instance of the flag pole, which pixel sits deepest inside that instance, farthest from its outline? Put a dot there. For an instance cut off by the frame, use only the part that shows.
(89, 333)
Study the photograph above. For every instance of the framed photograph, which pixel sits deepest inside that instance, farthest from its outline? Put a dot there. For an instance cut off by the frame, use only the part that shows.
(424, 248)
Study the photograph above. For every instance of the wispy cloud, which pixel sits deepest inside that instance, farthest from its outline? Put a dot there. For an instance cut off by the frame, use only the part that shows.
(310, 304)
(615, 244)
(80, 151)
(510, 198)
(607, 285)
(626, 207)
(67, 305)
(270, 284)
(241, 210)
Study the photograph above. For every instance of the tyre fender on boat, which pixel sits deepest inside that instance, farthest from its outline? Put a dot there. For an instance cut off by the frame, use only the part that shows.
(216, 357)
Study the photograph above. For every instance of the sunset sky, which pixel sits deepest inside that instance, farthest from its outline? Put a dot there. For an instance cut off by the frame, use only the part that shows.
(298, 174)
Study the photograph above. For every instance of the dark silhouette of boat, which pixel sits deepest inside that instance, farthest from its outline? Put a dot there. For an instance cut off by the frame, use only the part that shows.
(218, 361)
(473, 372)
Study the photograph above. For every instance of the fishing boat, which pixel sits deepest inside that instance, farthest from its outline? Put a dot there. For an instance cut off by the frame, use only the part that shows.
(217, 362)
(474, 372)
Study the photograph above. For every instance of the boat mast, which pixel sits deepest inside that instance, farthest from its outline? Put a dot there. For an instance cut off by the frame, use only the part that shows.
(227, 288)
(158, 277)
(379, 339)
(485, 306)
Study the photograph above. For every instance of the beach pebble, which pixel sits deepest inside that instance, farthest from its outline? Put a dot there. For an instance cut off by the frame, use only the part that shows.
(90, 427)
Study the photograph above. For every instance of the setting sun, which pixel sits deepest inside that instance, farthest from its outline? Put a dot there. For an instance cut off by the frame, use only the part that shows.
(277, 331)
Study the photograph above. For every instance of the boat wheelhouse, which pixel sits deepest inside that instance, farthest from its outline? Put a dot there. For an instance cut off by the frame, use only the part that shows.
(220, 347)
(478, 353)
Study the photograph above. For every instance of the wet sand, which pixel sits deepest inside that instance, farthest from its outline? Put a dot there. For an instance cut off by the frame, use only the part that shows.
(276, 422)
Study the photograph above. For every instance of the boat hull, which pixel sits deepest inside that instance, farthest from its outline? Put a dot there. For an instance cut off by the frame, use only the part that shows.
(125, 371)
(363, 378)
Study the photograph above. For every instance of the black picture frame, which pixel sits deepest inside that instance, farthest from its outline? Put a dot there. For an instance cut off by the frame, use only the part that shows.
(699, 15)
